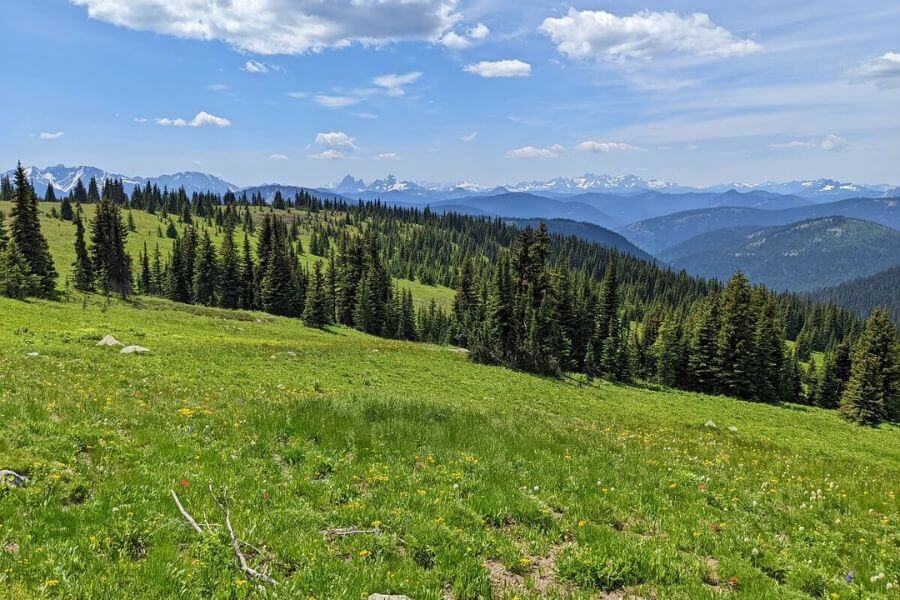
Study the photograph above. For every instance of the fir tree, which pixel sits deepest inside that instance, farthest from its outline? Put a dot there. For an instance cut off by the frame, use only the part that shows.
(65, 210)
(669, 354)
(248, 277)
(146, 278)
(206, 274)
(4, 234)
(229, 271)
(83, 270)
(315, 312)
(835, 374)
(50, 194)
(16, 280)
(465, 304)
(703, 348)
(770, 350)
(26, 233)
(6, 189)
(277, 290)
(872, 394)
(110, 261)
(736, 340)
(79, 194)
(792, 379)
(93, 193)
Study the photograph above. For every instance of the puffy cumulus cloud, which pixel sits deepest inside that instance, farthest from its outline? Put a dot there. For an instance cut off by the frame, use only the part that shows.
(283, 26)
(829, 143)
(328, 155)
(605, 147)
(499, 68)
(336, 140)
(461, 41)
(46, 135)
(535, 152)
(202, 119)
(883, 71)
(394, 83)
(604, 36)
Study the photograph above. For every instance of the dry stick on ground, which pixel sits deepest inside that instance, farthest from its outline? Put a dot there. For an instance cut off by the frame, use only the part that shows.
(235, 544)
(185, 513)
(347, 532)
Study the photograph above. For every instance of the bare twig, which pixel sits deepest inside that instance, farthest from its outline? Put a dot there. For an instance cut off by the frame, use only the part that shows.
(236, 546)
(185, 513)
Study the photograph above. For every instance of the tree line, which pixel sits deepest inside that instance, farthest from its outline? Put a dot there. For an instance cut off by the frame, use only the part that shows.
(524, 299)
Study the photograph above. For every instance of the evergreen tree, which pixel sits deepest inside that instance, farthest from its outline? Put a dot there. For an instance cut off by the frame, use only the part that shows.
(248, 277)
(79, 194)
(792, 379)
(812, 381)
(736, 340)
(872, 394)
(26, 233)
(770, 351)
(465, 304)
(93, 193)
(110, 261)
(50, 194)
(670, 354)
(230, 271)
(16, 280)
(277, 290)
(206, 274)
(364, 314)
(146, 278)
(835, 374)
(4, 234)
(703, 348)
(315, 312)
(83, 270)
(6, 189)
(65, 210)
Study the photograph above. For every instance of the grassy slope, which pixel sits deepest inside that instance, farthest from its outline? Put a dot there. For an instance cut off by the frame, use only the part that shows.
(61, 236)
(459, 463)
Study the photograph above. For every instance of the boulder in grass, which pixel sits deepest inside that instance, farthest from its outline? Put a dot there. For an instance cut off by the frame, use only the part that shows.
(109, 340)
(134, 350)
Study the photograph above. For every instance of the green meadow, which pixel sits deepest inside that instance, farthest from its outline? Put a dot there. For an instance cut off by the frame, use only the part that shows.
(456, 480)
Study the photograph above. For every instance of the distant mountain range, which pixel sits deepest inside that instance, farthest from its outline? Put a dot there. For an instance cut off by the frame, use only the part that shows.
(866, 293)
(587, 232)
(802, 256)
(658, 233)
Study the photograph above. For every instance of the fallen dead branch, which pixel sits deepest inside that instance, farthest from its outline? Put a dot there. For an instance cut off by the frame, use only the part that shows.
(340, 532)
(12, 478)
(235, 543)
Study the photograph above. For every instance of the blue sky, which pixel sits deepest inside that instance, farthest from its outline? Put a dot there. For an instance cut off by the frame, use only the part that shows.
(488, 91)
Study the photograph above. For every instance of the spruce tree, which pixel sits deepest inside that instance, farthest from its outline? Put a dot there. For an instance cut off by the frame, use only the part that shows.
(736, 340)
(835, 374)
(146, 278)
(247, 288)
(26, 233)
(770, 350)
(229, 271)
(83, 270)
(277, 291)
(6, 189)
(315, 312)
(50, 194)
(792, 379)
(79, 194)
(669, 353)
(16, 280)
(110, 261)
(4, 234)
(206, 276)
(872, 394)
(465, 304)
(65, 210)
(703, 348)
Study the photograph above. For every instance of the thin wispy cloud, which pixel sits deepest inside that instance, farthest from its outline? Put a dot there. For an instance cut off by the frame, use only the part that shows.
(278, 157)
(329, 101)
(51, 135)
(883, 71)
(829, 143)
(535, 152)
(259, 68)
(469, 137)
(394, 84)
(598, 147)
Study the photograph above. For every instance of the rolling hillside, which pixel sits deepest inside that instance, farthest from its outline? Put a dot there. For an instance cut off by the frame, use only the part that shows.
(802, 256)
(526, 206)
(457, 480)
(866, 293)
(656, 234)
(588, 232)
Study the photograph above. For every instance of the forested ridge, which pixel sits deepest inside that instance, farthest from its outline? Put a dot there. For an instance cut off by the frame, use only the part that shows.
(525, 299)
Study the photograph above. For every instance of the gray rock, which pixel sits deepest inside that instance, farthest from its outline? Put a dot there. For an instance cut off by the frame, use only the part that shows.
(732, 429)
(711, 424)
(109, 340)
(134, 350)
(12, 478)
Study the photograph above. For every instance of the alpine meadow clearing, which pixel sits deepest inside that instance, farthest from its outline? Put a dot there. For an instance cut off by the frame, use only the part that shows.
(351, 465)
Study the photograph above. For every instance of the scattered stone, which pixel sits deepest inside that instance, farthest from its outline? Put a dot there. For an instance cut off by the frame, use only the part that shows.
(134, 350)
(732, 429)
(109, 340)
(10, 547)
(12, 478)
(711, 424)
(387, 597)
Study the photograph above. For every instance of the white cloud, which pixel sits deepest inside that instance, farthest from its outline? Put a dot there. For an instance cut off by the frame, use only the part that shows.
(336, 140)
(605, 147)
(479, 32)
(278, 157)
(298, 95)
(281, 26)
(883, 71)
(259, 68)
(469, 137)
(218, 87)
(328, 155)
(140, 119)
(534, 152)
(202, 119)
(395, 83)
(387, 156)
(51, 136)
(329, 101)
(499, 68)
(605, 36)
(461, 41)
(829, 143)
